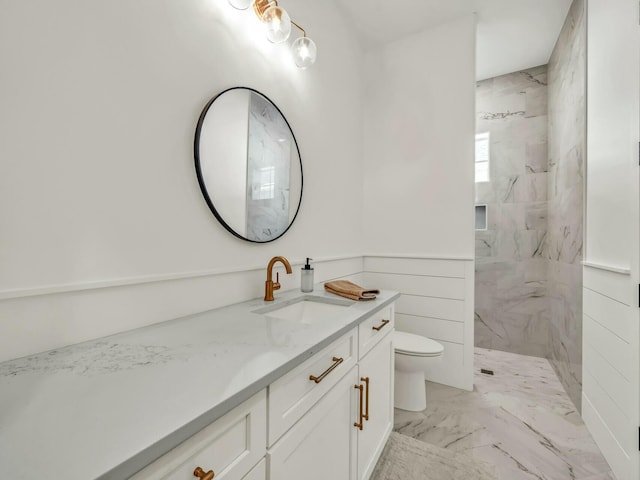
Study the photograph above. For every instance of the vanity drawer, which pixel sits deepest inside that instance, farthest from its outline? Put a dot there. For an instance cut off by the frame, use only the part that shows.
(374, 329)
(230, 446)
(292, 395)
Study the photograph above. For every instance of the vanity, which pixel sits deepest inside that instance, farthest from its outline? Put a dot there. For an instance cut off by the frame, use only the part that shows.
(297, 388)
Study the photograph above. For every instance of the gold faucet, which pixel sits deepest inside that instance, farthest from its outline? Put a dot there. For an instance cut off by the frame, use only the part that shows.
(269, 286)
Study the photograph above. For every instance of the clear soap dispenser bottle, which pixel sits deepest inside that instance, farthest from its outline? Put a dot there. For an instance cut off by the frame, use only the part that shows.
(306, 283)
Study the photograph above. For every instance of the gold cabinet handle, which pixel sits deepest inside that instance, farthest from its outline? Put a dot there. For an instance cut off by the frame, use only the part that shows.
(382, 325)
(336, 361)
(366, 408)
(202, 475)
(359, 424)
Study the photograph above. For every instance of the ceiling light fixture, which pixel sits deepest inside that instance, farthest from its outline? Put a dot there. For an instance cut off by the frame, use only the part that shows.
(278, 29)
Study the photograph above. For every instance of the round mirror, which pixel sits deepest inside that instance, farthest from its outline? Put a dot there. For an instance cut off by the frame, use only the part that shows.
(248, 165)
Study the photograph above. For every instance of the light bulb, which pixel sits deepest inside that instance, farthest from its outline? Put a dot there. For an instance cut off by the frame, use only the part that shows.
(304, 52)
(278, 24)
(241, 4)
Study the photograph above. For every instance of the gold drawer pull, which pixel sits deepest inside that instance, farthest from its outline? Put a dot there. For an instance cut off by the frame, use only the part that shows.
(381, 326)
(359, 424)
(337, 361)
(198, 472)
(366, 408)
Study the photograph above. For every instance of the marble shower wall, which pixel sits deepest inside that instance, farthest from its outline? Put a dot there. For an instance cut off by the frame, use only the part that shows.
(528, 271)
(511, 297)
(567, 146)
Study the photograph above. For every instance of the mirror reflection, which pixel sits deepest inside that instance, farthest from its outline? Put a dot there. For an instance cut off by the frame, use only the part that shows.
(248, 165)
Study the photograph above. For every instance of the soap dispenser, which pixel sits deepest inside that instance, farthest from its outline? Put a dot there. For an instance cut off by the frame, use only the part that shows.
(306, 277)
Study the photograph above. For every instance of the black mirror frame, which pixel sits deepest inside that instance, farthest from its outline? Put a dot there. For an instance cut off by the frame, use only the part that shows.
(203, 187)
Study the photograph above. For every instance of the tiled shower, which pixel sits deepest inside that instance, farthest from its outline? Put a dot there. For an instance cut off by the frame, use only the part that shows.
(511, 306)
(528, 296)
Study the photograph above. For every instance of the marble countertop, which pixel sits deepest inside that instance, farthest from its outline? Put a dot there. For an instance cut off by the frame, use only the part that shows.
(104, 409)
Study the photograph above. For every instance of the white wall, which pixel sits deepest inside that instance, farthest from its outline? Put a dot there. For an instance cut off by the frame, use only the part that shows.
(419, 143)
(103, 225)
(613, 136)
(611, 320)
(419, 133)
(99, 201)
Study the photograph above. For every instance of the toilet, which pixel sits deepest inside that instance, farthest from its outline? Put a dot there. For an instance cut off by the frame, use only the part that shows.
(413, 354)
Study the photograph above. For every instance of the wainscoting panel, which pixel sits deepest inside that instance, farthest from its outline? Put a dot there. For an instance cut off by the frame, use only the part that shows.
(610, 284)
(441, 330)
(602, 429)
(435, 267)
(613, 419)
(434, 307)
(451, 371)
(437, 302)
(441, 287)
(609, 378)
(611, 314)
(610, 366)
(610, 346)
(34, 323)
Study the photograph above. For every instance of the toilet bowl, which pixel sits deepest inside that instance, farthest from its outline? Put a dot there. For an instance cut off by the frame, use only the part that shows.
(414, 354)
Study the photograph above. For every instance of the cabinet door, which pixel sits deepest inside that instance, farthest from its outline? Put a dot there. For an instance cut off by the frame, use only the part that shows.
(322, 445)
(230, 446)
(377, 366)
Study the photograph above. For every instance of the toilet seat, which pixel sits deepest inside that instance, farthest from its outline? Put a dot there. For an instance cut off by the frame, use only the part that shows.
(416, 345)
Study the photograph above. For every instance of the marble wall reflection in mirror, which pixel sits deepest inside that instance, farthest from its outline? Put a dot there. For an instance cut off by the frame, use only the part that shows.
(248, 165)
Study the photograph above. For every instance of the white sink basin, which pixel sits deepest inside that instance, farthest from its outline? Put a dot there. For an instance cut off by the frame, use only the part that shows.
(308, 309)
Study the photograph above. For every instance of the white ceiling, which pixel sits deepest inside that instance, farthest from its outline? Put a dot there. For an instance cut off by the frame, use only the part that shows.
(512, 34)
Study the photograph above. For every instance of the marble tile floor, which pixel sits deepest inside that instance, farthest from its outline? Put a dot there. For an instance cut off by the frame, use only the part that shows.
(519, 422)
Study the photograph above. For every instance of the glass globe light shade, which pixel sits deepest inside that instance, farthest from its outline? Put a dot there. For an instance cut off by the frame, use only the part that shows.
(278, 24)
(241, 4)
(304, 52)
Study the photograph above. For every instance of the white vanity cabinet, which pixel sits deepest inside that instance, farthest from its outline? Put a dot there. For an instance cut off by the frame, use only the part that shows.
(342, 435)
(328, 418)
(230, 447)
(322, 444)
(293, 394)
